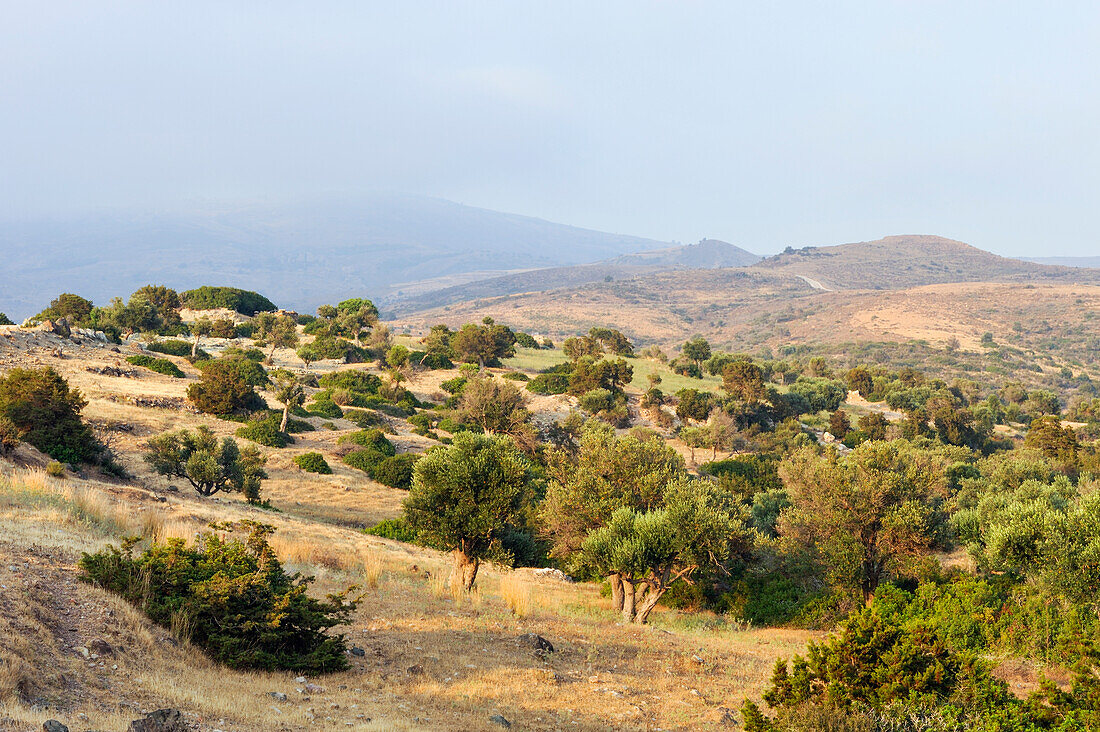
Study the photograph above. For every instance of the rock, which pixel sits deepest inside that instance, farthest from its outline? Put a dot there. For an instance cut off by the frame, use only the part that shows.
(726, 717)
(300, 680)
(102, 647)
(52, 725)
(695, 658)
(162, 720)
(277, 695)
(535, 641)
(57, 327)
(415, 670)
(552, 574)
(315, 689)
(357, 651)
(500, 721)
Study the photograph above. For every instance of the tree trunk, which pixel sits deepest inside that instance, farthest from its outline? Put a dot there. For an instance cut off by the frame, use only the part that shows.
(628, 601)
(652, 596)
(195, 346)
(616, 581)
(286, 416)
(465, 569)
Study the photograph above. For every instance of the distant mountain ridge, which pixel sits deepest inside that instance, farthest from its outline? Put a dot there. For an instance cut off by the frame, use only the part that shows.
(707, 254)
(299, 254)
(1090, 262)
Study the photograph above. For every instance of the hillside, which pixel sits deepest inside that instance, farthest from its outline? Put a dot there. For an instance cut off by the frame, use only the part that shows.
(300, 254)
(896, 262)
(707, 254)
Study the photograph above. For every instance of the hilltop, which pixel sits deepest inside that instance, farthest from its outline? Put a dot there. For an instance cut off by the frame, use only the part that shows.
(302, 252)
(896, 262)
(707, 254)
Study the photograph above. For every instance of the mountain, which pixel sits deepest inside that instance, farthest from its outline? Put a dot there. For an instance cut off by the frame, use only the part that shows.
(907, 261)
(1066, 261)
(299, 254)
(707, 254)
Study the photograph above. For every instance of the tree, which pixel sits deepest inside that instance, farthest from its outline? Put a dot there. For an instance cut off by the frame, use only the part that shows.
(5, 320)
(866, 515)
(438, 342)
(588, 374)
(40, 408)
(496, 406)
(290, 394)
(204, 326)
(873, 426)
(839, 424)
(223, 390)
(744, 380)
(465, 495)
(277, 331)
(694, 404)
(613, 341)
(484, 344)
(602, 474)
(652, 550)
(208, 465)
(1056, 442)
(163, 304)
(697, 350)
(74, 308)
(860, 380)
(309, 354)
(577, 348)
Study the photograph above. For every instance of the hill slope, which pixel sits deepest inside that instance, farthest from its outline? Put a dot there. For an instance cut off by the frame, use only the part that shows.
(910, 261)
(707, 254)
(299, 254)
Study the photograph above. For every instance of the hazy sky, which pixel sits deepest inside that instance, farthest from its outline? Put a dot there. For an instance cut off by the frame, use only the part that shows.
(764, 123)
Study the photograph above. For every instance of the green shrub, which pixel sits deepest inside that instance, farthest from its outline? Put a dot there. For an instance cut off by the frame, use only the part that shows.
(171, 347)
(370, 438)
(434, 361)
(395, 529)
(5, 320)
(422, 424)
(364, 460)
(265, 431)
(526, 340)
(45, 412)
(396, 471)
(323, 406)
(364, 418)
(223, 391)
(515, 376)
(313, 462)
(554, 383)
(353, 380)
(244, 302)
(250, 371)
(230, 597)
(55, 469)
(454, 386)
(160, 365)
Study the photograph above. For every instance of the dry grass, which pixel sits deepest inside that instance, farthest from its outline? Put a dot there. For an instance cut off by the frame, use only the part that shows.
(517, 595)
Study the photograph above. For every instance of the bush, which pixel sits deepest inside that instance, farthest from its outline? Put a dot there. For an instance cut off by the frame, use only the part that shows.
(171, 347)
(395, 529)
(515, 376)
(244, 302)
(323, 406)
(9, 436)
(553, 383)
(434, 361)
(265, 431)
(353, 380)
(223, 391)
(396, 471)
(230, 597)
(46, 413)
(526, 340)
(5, 320)
(365, 419)
(249, 370)
(364, 460)
(313, 462)
(55, 469)
(454, 386)
(371, 438)
(160, 365)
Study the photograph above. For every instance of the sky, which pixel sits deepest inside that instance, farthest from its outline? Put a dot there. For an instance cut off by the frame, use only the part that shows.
(765, 124)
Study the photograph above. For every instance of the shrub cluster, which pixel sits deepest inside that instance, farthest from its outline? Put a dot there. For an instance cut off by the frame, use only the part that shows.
(231, 597)
(160, 365)
(313, 462)
(244, 302)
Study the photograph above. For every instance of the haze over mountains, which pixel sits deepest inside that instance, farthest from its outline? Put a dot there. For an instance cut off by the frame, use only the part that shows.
(301, 254)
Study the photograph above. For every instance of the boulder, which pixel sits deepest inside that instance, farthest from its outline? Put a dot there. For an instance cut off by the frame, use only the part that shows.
(52, 725)
(500, 721)
(537, 642)
(162, 720)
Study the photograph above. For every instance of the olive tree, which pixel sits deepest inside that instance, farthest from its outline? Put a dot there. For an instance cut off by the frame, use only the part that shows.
(289, 392)
(208, 465)
(652, 550)
(465, 495)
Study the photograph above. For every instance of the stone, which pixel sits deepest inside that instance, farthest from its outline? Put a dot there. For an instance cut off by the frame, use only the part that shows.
(415, 670)
(357, 651)
(500, 721)
(552, 573)
(535, 641)
(727, 717)
(101, 647)
(52, 725)
(300, 680)
(162, 720)
(277, 695)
